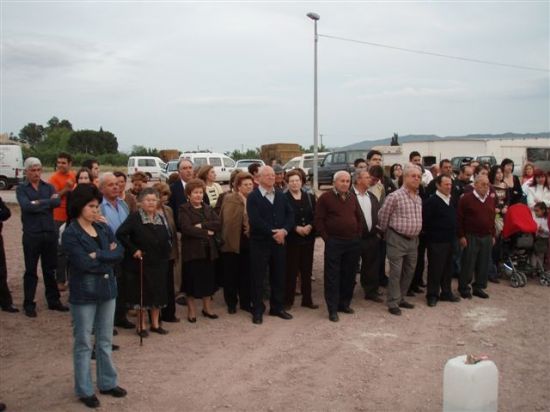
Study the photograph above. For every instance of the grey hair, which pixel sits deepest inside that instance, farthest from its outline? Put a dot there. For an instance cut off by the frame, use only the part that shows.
(104, 177)
(409, 167)
(184, 159)
(358, 173)
(147, 191)
(30, 162)
(338, 174)
(479, 177)
(262, 169)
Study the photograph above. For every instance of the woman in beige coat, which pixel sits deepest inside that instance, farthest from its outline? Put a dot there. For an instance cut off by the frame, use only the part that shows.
(235, 252)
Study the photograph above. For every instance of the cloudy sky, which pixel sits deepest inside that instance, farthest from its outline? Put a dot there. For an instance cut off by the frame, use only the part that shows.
(228, 76)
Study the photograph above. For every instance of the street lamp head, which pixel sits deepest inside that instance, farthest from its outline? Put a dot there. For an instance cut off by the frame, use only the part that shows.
(313, 16)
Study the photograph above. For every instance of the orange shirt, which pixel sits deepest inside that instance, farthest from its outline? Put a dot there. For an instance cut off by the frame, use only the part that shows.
(59, 180)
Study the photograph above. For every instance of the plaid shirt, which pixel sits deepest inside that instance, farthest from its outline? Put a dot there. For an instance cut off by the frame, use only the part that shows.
(401, 212)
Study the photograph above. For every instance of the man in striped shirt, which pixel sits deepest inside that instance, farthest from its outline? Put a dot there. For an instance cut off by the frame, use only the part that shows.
(400, 218)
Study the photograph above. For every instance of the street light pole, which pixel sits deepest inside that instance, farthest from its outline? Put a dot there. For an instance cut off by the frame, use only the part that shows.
(315, 17)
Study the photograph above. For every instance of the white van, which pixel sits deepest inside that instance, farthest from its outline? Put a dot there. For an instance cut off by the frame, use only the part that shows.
(304, 162)
(223, 165)
(150, 165)
(11, 166)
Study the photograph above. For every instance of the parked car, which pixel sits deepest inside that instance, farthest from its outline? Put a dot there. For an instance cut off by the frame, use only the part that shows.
(222, 164)
(244, 163)
(11, 166)
(458, 161)
(487, 159)
(150, 165)
(171, 167)
(304, 162)
(333, 162)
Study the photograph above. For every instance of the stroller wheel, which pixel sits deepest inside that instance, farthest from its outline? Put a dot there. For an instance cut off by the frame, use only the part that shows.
(523, 279)
(545, 279)
(514, 281)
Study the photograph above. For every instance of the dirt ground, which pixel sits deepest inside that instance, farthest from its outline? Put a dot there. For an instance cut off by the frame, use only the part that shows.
(369, 361)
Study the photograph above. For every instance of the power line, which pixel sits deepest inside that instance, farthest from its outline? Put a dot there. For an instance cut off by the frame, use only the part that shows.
(467, 59)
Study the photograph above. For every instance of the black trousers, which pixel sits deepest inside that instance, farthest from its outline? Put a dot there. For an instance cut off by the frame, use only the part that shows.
(41, 246)
(420, 263)
(5, 295)
(169, 311)
(299, 260)
(440, 265)
(236, 279)
(61, 269)
(266, 254)
(370, 265)
(341, 260)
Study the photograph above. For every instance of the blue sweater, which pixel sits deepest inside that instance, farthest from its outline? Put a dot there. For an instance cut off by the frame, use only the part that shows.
(438, 220)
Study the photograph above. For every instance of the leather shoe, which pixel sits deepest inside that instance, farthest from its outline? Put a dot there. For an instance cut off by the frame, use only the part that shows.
(117, 392)
(333, 317)
(30, 312)
(416, 289)
(159, 330)
(494, 280)
(125, 324)
(231, 310)
(282, 314)
(257, 319)
(90, 401)
(59, 307)
(432, 301)
(171, 320)
(465, 295)
(10, 309)
(209, 315)
(310, 305)
(374, 299)
(395, 311)
(451, 298)
(406, 305)
(480, 294)
(347, 310)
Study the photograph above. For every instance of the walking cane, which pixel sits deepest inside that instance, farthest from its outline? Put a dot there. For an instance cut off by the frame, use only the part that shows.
(141, 300)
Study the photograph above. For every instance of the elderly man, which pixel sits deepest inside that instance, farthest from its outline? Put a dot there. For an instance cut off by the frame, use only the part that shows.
(271, 218)
(370, 238)
(439, 226)
(115, 211)
(338, 219)
(37, 200)
(400, 218)
(476, 234)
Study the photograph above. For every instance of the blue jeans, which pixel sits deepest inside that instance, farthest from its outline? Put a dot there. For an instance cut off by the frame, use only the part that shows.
(98, 317)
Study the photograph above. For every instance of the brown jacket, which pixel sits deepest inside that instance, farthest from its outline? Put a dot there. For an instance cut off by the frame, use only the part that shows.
(169, 215)
(196, 244)
(234, 219)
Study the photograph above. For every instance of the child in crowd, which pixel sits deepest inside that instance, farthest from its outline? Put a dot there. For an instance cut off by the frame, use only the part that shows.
(541, 240)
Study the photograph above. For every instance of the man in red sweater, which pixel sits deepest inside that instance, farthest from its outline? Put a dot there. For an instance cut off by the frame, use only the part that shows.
(338, 219)
(476, 235)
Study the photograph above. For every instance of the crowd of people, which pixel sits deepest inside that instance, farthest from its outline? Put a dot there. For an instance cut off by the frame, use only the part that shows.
(143, 250)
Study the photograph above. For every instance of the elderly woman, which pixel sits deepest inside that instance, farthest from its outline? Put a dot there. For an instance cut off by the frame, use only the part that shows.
(213, 190)
(235, 250)
(300, 241)
(168, 314)
(146, 241)
(198, 224)
(92, 251)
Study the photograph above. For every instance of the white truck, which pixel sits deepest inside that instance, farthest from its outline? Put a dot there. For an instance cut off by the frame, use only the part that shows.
(11, 166)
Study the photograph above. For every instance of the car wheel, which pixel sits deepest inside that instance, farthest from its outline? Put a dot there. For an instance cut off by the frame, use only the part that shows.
(3, 183)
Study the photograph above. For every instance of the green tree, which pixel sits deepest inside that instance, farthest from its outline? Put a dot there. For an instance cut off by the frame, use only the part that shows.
(138, 150)
(248, 154)
(54, 124)
(93, 142)
(32, 133)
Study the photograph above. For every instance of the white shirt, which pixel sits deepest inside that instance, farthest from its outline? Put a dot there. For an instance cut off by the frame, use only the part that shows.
(481, 199)
(445, 198)
(366, 207)
(268, 195)
(427, 177)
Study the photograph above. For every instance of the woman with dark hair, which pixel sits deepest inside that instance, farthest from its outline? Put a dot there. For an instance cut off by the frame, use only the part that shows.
(199, 224)
(92, 251)
(538, 190)
(235, 234)
(496, 178)
(514, 185)
(396, 171)
(146, 241)
(300, 241)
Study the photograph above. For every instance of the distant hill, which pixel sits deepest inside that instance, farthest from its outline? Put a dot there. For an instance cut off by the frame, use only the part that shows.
(367, 144)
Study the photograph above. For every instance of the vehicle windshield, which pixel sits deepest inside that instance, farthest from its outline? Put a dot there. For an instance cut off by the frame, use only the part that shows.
(243, 163)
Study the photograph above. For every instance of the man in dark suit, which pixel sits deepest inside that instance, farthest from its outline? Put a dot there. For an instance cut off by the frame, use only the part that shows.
(271, 218)
(370, 238)
(177, 189)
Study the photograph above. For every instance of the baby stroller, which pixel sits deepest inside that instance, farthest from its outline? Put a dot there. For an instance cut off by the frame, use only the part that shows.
(518, 236)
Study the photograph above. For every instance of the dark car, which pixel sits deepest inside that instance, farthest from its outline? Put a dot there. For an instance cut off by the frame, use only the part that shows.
(458, 161)
(334, 162)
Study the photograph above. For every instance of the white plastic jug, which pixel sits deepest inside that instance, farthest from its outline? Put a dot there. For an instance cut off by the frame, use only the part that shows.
(470, 388)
